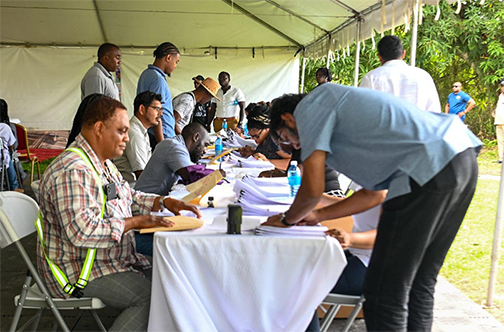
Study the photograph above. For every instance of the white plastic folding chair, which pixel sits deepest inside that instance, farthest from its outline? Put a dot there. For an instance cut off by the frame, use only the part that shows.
(17, 216)
(336, 301)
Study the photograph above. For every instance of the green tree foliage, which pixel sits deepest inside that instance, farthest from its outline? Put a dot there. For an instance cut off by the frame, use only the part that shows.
(467, 47)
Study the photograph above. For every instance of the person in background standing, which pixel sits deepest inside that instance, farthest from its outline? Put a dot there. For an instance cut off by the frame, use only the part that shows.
(201, 111)
(400, 79)
(154, 79)
(459, 102)
(231, 106)
(98, 78)
(499, 122)
(323, 75)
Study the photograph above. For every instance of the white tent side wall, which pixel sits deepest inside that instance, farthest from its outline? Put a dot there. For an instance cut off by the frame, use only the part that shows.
(42, 84)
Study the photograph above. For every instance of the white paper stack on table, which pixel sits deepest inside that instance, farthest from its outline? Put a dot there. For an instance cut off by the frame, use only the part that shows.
(238, 161)
(254, 201)
(309, 231)
(235, 141)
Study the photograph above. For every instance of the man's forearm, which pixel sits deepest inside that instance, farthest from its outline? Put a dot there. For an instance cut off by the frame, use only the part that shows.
(158, 131)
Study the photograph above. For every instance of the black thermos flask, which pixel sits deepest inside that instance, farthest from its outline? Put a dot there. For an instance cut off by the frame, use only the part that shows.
(234, 220)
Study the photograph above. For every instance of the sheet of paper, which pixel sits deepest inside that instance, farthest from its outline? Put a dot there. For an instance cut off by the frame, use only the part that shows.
(311, 231)
(181, 223)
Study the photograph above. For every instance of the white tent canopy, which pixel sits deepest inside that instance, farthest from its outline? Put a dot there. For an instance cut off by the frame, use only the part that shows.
(47, 46)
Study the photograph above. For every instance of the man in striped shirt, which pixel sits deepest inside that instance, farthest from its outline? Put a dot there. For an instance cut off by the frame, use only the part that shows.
(75, 219)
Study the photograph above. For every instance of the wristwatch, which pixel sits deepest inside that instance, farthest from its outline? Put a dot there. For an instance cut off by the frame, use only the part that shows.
(161, 202)
(284, 221)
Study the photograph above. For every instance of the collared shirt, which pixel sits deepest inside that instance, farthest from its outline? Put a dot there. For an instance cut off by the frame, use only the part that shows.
(154, 79)
(71, 204)
(228, 106)
(499, 111)
(99, 80)
(8, 139)
(402, 80)
(378, 140)
(159, 175)
(137, 153)
(184, 104)
(458, 102)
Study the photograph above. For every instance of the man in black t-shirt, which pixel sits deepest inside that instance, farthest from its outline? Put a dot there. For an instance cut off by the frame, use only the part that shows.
(200, 111)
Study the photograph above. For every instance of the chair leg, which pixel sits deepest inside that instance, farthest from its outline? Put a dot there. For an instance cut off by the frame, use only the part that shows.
(38, 168)
(32, 170)
(329, 317)
(21, 302)
(36, 320)
(352, 315)
(98, 321)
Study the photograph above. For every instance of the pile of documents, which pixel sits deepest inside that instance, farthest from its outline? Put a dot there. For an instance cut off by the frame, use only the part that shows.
(257, 200)
(311, 231)
(238, 161)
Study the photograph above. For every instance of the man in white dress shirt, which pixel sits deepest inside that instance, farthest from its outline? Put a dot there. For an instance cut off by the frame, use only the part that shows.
(230, 107)
(499, 122)
(400, 79)
(148, 111)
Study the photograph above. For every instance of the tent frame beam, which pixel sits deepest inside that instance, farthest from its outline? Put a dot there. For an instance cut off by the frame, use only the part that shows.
(100, 22)
(261, 22)
(273, 3)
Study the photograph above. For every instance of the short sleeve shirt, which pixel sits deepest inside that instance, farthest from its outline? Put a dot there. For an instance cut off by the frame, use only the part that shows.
(8, 139)
(137, 153)
(499, 111)
(184, 104)
(154, 79)
(378, 140)
(458, 102)
(99, 80)
(228, 106)
(159, 175)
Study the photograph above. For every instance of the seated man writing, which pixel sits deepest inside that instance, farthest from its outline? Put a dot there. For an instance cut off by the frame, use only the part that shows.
(86, 207)
(173, 160)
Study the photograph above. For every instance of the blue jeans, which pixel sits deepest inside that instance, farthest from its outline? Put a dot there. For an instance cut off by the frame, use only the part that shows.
(11, 174)
(414, 234)
(349, 283)
(144, 243)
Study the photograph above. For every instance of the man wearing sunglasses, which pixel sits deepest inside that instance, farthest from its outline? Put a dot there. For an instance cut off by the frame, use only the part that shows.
(459, 102)
(147, 114)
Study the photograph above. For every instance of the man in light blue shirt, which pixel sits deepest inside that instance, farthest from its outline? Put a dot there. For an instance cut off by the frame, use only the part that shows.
(457, 102)
(154, 79)
(423, 167)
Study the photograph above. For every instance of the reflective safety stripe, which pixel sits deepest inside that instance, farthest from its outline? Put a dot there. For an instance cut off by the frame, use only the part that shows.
(91, 254)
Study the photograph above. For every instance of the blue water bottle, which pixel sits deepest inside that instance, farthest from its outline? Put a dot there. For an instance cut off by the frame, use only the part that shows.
(224, 125)
(294, 178)
(218, 147)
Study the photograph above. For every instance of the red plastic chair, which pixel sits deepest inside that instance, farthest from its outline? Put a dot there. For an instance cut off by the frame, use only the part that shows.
(24, 150)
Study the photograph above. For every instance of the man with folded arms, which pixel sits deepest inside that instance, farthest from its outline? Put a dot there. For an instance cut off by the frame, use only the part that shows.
(85, 206)
(148, 112)
(422, 165)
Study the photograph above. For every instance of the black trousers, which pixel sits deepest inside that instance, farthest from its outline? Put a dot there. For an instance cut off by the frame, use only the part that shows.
(414, 234)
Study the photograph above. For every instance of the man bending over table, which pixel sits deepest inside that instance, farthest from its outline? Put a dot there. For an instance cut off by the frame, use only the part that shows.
(86, 206)
(426, 161)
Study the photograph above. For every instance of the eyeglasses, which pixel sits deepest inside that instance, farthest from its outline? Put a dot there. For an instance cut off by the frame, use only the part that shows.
(256, 136)
(158, 109)
(455, 86)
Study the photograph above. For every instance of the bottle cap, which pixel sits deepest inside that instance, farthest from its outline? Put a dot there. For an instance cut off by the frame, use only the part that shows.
(293, 162)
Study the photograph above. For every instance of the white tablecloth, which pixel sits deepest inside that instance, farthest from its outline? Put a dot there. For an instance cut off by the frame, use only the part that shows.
(209, 281)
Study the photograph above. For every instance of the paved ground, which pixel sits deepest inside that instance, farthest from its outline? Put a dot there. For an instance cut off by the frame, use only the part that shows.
(453, 312)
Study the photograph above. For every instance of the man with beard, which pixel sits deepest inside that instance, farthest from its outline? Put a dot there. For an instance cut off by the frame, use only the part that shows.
(172, 159)
(147, 113)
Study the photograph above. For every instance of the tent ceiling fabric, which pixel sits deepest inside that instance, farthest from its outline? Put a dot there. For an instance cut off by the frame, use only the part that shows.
(193, 24)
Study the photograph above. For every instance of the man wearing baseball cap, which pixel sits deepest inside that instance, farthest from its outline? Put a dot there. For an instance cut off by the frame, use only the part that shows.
(499, 122)
(184, 103)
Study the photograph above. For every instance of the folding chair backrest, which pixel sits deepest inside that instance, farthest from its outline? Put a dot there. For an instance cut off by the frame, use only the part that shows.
(22, 137)
(17, 216)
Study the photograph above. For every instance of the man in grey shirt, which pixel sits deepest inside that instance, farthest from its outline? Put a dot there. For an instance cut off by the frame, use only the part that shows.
(171, 158)
(148, 111)
(184, 103)
(98, 78)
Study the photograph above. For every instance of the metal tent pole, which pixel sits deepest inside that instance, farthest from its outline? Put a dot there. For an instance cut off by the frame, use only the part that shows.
(357, 51)
(496, 243)
(414, 32)
(301, 88)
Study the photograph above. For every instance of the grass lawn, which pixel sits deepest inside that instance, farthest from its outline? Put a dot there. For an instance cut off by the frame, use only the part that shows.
(467, 265)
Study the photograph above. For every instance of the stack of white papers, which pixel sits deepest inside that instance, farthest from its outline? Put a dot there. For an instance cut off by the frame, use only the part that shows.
(235, 141)
(269, 187)
(310, 231)
(250, 162)
(255, 203)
